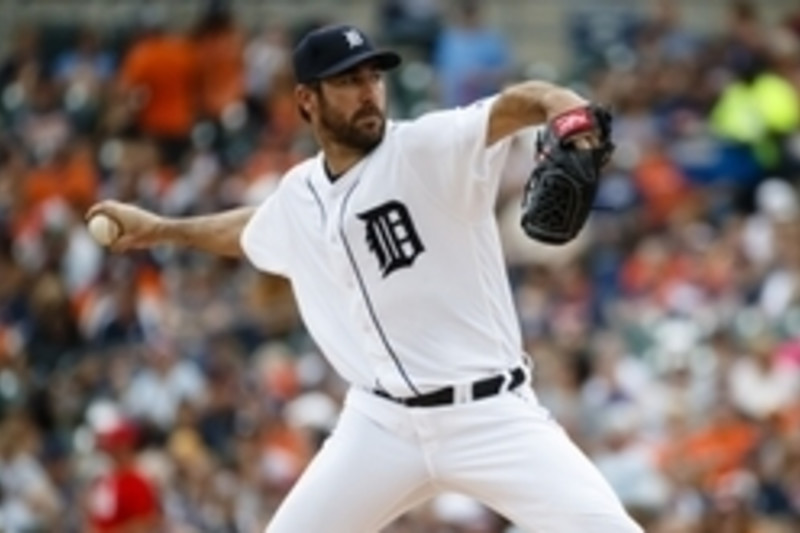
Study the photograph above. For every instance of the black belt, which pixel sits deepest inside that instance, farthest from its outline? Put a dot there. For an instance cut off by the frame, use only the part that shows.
(447, 395)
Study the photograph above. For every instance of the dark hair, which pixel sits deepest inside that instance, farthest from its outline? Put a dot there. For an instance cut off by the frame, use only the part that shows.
(315, 86)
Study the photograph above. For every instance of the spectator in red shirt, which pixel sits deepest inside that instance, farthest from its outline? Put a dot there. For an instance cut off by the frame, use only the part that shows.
(123, 500)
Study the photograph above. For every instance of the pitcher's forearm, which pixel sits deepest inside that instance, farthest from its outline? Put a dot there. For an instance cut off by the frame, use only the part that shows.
(217, 234)
(528, 104)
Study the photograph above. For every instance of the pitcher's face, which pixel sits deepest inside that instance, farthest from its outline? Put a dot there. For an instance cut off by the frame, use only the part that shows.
(350, 108)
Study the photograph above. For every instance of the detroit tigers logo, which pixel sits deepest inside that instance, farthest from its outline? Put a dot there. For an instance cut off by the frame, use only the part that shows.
(391, 236)
(354, 39)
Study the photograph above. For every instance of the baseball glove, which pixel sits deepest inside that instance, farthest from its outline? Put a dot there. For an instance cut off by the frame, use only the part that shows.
(561, 189)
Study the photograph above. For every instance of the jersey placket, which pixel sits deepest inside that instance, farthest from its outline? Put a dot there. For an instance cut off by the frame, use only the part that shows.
(385, 361)
(344, 270)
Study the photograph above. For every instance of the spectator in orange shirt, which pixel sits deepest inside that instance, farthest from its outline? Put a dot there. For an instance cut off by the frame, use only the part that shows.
(70, 175)
(663, 187)
(158, 82)
(220, 43)
(715, 451)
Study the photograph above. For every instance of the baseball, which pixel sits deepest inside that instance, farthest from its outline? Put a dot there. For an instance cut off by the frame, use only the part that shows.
(104, 229)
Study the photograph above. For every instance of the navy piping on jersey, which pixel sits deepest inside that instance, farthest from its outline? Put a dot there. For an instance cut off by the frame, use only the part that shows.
(317, 199)
(331, 176)
(365, 294)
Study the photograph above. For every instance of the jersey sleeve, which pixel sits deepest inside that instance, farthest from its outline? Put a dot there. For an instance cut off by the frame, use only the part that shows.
(448, 151)
(265, 238)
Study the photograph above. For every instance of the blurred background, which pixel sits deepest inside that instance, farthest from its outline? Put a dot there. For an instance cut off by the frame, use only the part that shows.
(172, 391)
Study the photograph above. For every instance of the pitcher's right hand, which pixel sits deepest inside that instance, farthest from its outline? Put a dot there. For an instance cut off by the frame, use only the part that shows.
(139, 228)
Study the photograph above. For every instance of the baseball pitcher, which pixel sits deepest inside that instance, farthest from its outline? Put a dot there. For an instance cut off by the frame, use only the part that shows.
(389, 239)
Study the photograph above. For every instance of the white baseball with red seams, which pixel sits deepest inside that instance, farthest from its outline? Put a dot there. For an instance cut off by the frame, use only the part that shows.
(103, 229)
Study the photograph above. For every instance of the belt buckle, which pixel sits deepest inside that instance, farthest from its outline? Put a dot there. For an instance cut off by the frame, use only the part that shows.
(462, 393)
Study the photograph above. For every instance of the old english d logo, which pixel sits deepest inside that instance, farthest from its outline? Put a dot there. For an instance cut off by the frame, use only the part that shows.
(391, 236)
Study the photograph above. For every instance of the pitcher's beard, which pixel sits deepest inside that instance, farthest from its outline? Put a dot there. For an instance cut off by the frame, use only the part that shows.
(360, 132)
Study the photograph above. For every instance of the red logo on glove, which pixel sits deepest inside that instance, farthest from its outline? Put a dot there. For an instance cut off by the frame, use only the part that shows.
(572, 122)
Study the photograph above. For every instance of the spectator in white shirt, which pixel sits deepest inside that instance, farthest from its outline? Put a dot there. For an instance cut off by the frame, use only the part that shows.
(166, 382)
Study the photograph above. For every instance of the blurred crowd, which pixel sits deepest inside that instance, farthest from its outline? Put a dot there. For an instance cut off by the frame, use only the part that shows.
(167, 390)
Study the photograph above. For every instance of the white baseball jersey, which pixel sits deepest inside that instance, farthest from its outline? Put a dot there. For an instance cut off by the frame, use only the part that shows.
(397, 265)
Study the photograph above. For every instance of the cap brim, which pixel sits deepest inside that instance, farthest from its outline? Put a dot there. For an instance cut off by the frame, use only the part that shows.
(383, 59)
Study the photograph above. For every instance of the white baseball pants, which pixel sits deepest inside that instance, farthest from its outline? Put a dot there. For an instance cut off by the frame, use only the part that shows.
(504, 451)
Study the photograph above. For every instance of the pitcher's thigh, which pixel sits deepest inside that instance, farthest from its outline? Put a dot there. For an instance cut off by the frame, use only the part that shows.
(533, 474)
(362, 478)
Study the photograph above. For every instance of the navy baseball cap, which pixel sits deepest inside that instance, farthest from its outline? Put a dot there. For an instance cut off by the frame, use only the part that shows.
(331, 50)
